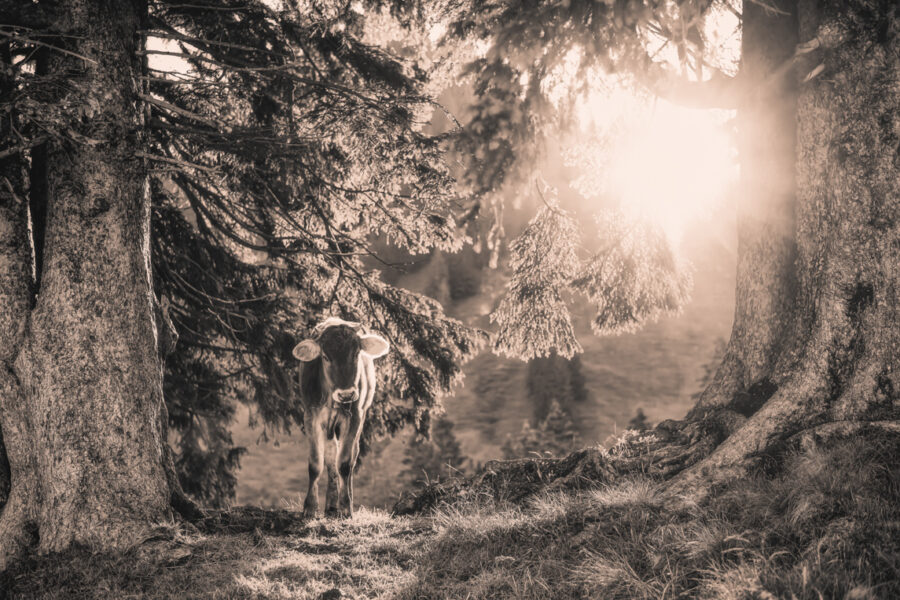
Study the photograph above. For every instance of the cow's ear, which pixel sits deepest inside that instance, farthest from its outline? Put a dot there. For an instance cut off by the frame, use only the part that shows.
(307, 350)
(374, 345)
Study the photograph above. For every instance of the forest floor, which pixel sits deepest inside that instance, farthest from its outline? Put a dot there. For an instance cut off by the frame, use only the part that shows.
(826, 526)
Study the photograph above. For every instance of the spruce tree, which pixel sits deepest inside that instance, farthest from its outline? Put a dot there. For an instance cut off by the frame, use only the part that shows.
(555, 436)
(433, 459)
(187, 188)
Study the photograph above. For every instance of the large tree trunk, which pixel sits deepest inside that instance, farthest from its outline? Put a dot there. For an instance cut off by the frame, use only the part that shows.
(825, 339)
(16, 470)
(766, 243)
(80, 377)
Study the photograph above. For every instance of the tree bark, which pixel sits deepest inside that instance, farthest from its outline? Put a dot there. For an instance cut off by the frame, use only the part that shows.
(766, 220)
(82, 380)
(17, 481)
(834, 356)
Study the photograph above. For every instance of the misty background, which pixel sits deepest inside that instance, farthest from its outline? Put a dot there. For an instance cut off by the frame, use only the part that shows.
(656, 371)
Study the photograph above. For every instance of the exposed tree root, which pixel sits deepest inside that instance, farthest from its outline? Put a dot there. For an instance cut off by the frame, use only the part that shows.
(815, 436)
(180, 502)
(513, 480)
(810, 401)
(186, 508)
(659, 454)
(693, 459)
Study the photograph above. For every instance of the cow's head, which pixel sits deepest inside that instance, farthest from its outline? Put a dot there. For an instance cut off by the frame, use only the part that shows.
(339, 345)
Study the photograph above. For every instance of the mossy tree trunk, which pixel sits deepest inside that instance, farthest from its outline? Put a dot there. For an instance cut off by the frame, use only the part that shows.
(81, 402)
(816, 338)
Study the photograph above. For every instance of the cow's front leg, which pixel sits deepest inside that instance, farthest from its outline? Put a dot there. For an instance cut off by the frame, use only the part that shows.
(347, 462)
(316, 463)
(333, 489)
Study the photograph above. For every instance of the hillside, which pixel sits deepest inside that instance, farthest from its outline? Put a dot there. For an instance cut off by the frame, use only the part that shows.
(656, 370)
(826, 526)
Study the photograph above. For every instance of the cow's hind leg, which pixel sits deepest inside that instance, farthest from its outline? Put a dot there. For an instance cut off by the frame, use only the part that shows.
(332, 492)
(316, 463)
(347, 462)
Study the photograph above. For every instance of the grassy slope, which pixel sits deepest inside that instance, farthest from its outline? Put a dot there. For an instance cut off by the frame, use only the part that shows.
(828, 526)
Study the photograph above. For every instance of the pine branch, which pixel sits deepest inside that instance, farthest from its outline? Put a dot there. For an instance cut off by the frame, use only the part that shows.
(30, 40)
(184, 113)
(172, 34)
(34, 142)
(173, 161)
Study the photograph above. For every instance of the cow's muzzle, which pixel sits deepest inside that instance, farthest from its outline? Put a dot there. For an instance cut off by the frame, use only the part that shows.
(345, 396)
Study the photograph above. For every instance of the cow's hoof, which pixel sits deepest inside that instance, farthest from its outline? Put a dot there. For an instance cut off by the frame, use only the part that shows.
(346, 513)
(332, 512)
(310, 513)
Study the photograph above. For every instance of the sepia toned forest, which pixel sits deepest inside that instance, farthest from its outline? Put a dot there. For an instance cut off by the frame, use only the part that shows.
(583, 298)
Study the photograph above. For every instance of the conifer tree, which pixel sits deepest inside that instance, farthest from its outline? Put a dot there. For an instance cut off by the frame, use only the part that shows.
(554, 436)
(554, 378)
(185, 189)
(639, 421)
(436, 458)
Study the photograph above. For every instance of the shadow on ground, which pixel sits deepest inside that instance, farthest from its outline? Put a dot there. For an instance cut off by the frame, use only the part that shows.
(826, 526)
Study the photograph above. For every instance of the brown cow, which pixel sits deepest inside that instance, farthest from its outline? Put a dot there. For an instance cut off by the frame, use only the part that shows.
(337, 385)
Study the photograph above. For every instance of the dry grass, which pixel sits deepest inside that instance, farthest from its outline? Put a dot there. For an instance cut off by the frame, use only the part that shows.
(367, 557)
(827, 527)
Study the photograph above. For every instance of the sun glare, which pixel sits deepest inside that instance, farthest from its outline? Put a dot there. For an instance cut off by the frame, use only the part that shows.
(656, 161)
(673, 168)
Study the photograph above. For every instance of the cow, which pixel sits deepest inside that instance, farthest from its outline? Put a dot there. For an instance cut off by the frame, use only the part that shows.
(337, 385)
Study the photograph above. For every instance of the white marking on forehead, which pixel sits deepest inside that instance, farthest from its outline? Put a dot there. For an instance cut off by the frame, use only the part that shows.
(331, 322)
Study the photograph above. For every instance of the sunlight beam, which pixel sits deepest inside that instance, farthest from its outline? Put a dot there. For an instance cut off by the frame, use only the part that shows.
(673, 167)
